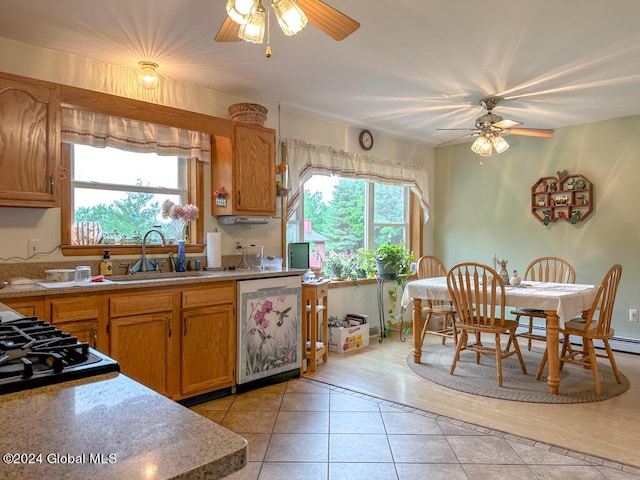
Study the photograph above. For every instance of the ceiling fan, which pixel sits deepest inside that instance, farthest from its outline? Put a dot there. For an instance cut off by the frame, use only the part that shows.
(491, 127)
(246, 19)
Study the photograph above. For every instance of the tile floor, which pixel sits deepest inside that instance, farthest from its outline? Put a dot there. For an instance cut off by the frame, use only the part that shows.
(303, 429)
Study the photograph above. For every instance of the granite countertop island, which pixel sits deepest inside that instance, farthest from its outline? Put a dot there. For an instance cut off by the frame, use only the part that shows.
(111, 427)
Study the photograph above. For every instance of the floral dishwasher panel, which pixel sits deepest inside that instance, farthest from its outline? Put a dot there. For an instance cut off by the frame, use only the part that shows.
(269, 327)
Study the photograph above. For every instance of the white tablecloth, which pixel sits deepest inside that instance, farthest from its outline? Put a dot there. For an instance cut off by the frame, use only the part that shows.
(568, 300)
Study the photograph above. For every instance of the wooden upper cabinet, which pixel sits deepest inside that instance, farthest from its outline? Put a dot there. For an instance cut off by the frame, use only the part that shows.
(29, 143)
(245, 165)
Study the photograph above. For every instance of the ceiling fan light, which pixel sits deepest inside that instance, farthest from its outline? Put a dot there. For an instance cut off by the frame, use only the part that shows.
(253, 30)
(482, 146)
(290, 17)
(240, 10)
(500, 144)
(148, 76)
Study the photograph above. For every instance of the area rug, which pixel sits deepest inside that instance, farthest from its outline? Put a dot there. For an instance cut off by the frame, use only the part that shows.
(576, 382)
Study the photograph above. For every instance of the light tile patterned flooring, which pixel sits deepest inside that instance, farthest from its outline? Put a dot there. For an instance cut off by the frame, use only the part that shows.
(303, 429)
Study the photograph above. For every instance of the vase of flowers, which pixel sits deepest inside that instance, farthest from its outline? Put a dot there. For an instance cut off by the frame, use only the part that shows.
(181, 216)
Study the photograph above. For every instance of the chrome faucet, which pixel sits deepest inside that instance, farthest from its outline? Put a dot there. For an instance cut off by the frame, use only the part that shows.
(143, 258)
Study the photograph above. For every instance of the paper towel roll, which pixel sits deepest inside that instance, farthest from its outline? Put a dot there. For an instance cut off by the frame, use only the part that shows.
(214, 250)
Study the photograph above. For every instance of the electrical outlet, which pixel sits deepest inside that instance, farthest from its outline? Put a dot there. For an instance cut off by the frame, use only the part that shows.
(33, 247)
(633, 315)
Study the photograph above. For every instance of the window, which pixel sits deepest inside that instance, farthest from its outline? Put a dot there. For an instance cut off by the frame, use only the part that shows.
(117, 195)
(342, 215)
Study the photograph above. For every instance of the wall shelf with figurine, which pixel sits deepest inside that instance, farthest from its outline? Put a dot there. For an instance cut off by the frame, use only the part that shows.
(566, 198)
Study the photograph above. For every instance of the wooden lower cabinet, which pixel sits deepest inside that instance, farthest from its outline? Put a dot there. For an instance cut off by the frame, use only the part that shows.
(179, 342)
(141, 331)
(208, 338)
(207, 349)
(140, 344)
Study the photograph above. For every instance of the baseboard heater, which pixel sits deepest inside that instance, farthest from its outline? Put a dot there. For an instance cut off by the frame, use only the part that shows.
(618, 344)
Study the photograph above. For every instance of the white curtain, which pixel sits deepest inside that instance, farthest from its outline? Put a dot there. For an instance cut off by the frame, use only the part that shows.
(305, 159)
(98, 130)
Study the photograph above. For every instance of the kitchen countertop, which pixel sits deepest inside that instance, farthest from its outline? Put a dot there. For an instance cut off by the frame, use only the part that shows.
(138, 280)
(111, 427)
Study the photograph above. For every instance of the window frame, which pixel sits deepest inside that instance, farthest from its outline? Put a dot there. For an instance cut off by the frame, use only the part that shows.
(412, 223)
(109, 104)
(195, 174)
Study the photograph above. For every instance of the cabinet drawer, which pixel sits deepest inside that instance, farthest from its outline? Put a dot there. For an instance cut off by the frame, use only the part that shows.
(29, 307)
(140, 303)
(77, 308)
(214, 294)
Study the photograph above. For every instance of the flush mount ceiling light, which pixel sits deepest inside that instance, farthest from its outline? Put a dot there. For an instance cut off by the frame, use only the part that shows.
(148, 76)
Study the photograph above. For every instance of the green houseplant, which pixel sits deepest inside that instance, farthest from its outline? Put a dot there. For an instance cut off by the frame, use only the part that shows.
(393, 260)
(394, 263)
(337, 266)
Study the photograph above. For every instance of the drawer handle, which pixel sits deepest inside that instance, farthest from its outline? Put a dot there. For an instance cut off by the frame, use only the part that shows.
(95, 337)
(170, 327)
(186, 324)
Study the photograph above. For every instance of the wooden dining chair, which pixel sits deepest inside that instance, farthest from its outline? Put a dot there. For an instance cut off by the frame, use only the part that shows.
(478, 295)
(591, 328)
(543, 269)
(430, 266)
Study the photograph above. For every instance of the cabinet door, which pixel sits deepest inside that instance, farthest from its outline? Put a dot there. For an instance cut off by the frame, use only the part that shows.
(30, 145)
(140, 344)
(207, 348)
(255, 171)
(85, 331)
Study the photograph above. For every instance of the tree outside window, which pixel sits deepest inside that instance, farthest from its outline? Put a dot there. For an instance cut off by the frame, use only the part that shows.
(342, 215)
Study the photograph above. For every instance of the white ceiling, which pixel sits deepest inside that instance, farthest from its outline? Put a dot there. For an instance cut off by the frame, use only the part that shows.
(412, 67)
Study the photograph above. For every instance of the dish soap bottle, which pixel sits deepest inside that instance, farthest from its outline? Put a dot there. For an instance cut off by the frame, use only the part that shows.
(106, 265)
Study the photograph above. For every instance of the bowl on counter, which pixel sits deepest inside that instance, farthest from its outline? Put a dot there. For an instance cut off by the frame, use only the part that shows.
(59, 275)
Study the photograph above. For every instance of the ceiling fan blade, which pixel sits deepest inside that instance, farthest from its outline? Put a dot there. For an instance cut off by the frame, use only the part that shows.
(228, 31)
(506, 123)
(331, 21)
(531, 132)
(468, 129)
(458, 138)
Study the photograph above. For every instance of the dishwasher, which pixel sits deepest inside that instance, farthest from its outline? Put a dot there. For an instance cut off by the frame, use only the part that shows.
(269, 335)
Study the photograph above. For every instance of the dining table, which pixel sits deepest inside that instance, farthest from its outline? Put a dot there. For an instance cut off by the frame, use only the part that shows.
(560, 302)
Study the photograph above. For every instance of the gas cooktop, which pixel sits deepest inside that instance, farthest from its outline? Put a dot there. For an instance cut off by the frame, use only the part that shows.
(35, 353)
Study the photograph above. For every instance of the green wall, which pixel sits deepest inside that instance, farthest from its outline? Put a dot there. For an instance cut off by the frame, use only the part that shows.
(482, 210)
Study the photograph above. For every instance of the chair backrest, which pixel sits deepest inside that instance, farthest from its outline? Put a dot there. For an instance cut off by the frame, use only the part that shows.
(550, 269)
(430, 266)
(477, 292)
(604, 301)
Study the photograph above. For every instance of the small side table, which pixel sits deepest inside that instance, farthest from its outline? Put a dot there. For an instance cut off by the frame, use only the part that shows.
(315, 307)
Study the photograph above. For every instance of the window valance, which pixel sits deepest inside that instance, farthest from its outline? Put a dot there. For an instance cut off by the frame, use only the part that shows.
(98, 130)
(305, 159)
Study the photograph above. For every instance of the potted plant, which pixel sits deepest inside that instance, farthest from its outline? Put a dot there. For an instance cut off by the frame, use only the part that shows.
(337, 266)
(365, 263)
(393, 260)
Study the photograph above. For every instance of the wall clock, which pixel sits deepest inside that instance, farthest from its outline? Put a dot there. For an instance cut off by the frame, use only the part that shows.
(366, 140)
